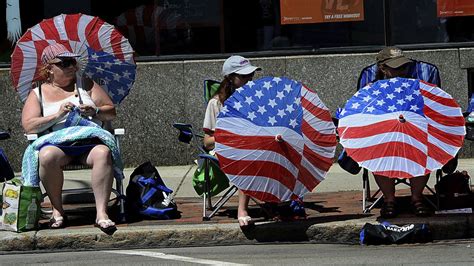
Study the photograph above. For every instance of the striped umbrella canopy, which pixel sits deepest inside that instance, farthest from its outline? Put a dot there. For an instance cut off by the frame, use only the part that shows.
(401, 128)
(105, 55)
(275, 139)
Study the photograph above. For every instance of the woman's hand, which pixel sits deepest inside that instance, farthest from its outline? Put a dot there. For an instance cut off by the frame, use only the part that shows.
(87, 110)
(65, 109)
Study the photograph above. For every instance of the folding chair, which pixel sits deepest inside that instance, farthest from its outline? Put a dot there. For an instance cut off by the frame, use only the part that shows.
(186, 135)
(117, 191)
(420, 70)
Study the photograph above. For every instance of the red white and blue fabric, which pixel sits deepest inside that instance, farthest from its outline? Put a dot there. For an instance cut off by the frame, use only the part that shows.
(105, 55)
(401, 128)
(247, 148)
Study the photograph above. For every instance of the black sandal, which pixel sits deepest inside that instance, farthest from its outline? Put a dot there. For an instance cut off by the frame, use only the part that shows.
(388, 210)
(420, 209)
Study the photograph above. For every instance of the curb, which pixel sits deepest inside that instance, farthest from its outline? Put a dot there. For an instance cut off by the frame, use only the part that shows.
(159, 236)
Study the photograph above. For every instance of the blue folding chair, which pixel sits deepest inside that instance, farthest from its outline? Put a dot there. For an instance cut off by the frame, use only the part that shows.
(418, 70)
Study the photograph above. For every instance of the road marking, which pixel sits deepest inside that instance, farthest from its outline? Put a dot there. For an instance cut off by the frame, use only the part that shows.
(164, 256)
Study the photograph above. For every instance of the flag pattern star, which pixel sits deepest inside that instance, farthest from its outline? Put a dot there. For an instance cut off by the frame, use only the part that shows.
(116, 77)
(401, 127)
(247, 145)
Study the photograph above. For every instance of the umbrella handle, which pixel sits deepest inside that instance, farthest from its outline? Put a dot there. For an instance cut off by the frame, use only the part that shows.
(79, 85)
(402, 119)
(279, 138)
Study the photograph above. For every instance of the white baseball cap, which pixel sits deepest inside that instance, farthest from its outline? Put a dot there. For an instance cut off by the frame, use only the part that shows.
(239, 65)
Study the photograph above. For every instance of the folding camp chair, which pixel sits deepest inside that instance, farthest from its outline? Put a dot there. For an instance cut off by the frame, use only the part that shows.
(420, 70)
(117, 191)
(186, 135)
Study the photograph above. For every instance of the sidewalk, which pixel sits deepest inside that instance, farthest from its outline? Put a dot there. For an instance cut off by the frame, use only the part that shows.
(334, 216)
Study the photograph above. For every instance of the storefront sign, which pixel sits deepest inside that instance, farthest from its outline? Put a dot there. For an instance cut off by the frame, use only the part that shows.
(318, 11)
(452, 8)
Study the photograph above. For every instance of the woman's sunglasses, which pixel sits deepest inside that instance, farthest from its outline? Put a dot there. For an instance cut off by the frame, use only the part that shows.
(247, 76)
(66, 63)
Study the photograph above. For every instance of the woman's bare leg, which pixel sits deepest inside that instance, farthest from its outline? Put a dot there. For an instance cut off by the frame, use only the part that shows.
(51, 163)
(387, 186)
(243, 207)
(417, 185)
(100, 158)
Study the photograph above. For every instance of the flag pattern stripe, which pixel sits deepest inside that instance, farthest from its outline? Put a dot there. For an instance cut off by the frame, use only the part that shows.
(261, 184)
(265, 169)
(97, 42)
(319, 162)
(267, 143)
(310, 172)
(326, 140)
(383, 150)
(384, 138)
(453, 140)
(319, 148)
(401, 127)
(315, 110)
(437, 95)
(308, 180)
(247, 146)
(242, 127)
(399, 164)
(262, 155)
(390, 126)
(442, 119)
(72, 32)
(453, 130)
(446, 146)
(444, 110)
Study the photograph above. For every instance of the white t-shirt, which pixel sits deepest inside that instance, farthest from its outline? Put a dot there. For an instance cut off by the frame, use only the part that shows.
(214, 106)
(50, 108)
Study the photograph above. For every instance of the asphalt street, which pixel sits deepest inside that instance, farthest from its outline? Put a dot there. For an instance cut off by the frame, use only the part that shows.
(459, 252)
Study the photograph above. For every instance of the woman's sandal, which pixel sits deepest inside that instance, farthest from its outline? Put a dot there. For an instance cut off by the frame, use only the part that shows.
(420, 209)
(57, 222)
(388, 210)
(106, 225)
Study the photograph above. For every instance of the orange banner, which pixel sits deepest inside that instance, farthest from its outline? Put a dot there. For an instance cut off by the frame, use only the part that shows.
(318, 11)
(452, 8)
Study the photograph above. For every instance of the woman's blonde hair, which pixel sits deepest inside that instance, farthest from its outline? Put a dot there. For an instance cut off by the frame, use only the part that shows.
(44, 72)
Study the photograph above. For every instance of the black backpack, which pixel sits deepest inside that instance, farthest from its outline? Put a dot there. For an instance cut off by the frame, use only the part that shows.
(147, 194)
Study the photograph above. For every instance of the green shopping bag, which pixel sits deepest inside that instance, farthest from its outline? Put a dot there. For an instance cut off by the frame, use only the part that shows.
(21, 206)
(219, 180)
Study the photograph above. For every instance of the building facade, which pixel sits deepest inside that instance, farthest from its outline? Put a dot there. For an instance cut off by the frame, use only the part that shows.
(179, 43)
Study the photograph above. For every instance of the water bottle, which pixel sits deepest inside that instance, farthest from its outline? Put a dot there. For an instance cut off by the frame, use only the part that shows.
(31, 215)
(470, 118)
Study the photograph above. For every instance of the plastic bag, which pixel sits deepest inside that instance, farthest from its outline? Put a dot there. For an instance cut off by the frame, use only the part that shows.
(386, 233)
(218, 180)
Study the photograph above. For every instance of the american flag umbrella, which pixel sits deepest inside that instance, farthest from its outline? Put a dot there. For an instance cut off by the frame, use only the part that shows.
(401, 128)
(275, 139)
(106, 56)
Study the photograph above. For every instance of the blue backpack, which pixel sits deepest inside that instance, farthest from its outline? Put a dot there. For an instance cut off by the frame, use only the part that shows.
(6, 171)
(148, 196)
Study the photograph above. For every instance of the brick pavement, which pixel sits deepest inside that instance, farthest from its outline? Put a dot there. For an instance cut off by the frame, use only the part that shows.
(323, 207)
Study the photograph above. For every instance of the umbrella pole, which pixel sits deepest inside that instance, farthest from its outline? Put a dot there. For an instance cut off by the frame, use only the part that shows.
(79, 85)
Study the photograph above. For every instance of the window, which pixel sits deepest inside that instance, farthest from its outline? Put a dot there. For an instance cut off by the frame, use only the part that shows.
(199, 27)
